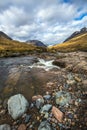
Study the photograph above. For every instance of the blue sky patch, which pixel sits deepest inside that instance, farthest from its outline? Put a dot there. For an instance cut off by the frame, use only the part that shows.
(66, 1)
(81, 16)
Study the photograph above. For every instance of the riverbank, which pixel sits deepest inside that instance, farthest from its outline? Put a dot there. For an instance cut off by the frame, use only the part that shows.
(62, 89)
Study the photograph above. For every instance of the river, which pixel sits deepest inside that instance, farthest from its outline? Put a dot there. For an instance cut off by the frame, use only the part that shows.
(28, 75)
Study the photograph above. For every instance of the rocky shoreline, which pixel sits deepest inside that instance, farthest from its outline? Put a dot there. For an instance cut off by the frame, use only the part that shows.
(62, 106)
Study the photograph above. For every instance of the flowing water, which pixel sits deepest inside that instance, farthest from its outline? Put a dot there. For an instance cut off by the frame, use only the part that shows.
(26, 75)
(46, 65)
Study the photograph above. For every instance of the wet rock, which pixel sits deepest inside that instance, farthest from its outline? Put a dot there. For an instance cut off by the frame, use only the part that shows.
(45, 126)
(47, 97)
(34, 98)
(5, 103)
(5, 127)
(38, 118)
(17, 105)
(70, 76)
(32, 105)
(39, 103)
(47, 92)
(46, 115)
(59, 63)
(81, 67)
(46, 108)
(27, 118)
(84, 86)
(2, 112)
(50, 84)
(22, 127)
(57, 114)
(62, 98)
(78, 79)
(70, 115)
(71, 82)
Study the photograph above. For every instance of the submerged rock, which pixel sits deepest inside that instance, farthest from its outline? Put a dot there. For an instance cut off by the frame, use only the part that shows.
(17, 105)
(62, 98)
(5, 127)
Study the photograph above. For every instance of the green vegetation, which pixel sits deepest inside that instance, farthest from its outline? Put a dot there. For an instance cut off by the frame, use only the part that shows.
(78, 43)
(15, 48)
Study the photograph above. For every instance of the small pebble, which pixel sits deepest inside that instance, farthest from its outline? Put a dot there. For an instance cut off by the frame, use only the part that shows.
(22, 127)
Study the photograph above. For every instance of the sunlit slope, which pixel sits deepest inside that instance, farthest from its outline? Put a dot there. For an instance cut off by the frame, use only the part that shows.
(75, 44)
(9, 47)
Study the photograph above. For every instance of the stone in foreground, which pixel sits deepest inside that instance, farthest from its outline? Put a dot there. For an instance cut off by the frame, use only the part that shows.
(39, 103)
(34, 98)
(17, 105)
(57, 114)
(62, 98)
(45, 126)
(46, 108)
(22, 127)
(5, 127)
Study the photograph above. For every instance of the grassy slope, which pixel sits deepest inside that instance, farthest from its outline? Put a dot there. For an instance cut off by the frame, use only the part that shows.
(10, 47)
(75, 44)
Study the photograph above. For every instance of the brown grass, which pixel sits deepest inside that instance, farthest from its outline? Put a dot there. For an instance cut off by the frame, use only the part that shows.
(75, 44)
(11, 47)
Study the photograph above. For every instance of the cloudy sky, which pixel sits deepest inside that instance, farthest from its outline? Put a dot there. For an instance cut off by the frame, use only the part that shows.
(50, 21)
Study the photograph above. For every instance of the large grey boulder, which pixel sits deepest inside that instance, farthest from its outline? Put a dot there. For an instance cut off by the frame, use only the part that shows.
(5, 127)
(17, 105)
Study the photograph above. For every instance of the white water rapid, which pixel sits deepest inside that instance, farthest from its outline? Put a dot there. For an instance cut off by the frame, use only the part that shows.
(47, 65)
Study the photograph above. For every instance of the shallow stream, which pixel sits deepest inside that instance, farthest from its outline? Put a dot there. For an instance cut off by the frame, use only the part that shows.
(26, 75)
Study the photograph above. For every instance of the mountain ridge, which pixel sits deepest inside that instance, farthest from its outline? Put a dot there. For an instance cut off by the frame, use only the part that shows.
(76, 33)
(10, 47)
(76, 43)
(4, 35)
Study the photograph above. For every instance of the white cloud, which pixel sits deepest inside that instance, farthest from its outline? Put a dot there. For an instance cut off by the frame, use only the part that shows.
(50, 21)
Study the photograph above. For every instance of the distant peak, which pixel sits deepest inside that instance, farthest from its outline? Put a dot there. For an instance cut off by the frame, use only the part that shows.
(83, 29)
(36, 42)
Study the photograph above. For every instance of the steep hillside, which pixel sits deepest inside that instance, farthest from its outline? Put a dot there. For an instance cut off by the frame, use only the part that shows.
(15, 48)
(77, 43)
(3, 35)
(36, 43)
(77, 33)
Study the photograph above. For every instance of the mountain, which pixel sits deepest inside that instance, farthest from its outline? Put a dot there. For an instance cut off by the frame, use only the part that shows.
(36, 43)
(82, 31)
(77, 43)
(2, 34)
(9, 47)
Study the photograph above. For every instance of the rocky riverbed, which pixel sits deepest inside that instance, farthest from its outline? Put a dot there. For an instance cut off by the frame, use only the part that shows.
(44, 92)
